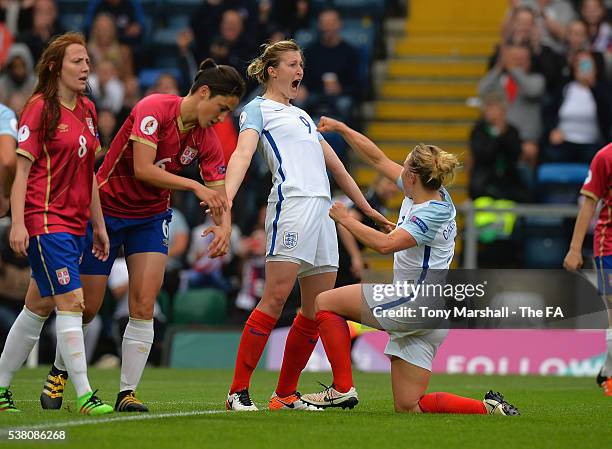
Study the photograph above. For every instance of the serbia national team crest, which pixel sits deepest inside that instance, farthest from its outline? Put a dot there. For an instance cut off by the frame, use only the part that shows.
(290, 239)
(90, 125)
(188, 155)
(63, 276)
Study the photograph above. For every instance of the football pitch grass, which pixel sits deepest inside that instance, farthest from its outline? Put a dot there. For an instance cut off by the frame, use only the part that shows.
(187, 411)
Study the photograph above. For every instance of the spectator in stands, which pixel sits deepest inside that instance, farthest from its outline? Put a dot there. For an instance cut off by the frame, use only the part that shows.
(104, 44)
(18, 74)
(583, 115)
(495, 149)
(127, 15)
(231, 46)
(351, 264)
(206, 20)
(132, 95)
(331, 83)
(106, 87)
(16, 102)
(107, 127)
(551, 20)
(6, 40)
(269, 30)
(14, 281)
(557, 67)
(524, 91)
(593, 12)
(291, 15)
(45, 25)
(166, 83)
(16, 15)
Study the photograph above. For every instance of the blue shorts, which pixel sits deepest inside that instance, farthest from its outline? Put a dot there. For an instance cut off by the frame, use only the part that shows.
(137, 235)
(603, 266)
(54, 259)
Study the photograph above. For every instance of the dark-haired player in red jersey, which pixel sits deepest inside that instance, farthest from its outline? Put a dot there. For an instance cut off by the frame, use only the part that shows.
(162, 135)
(597, 186)
(52, 196)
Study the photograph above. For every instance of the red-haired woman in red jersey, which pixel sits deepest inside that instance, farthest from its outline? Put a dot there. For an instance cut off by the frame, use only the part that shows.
(54, 194)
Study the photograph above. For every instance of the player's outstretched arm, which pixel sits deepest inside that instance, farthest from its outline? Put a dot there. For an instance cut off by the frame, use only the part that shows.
(350, 187)
(240, 161)
(397, 240)
(365, 148)
(573, 259)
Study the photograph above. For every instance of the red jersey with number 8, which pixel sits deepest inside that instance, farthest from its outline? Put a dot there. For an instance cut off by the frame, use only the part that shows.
(598, 186)
(60, 181)
(155, 122)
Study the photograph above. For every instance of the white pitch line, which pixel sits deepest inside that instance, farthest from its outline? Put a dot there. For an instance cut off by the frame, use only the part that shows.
(85, 422)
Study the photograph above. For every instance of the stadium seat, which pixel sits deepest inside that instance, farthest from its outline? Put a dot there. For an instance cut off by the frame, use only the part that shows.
(560, 182)
(545, 242)
(356, 8)
(200, 306)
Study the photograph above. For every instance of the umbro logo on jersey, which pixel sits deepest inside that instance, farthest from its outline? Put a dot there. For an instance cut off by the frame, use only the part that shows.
(62, 127)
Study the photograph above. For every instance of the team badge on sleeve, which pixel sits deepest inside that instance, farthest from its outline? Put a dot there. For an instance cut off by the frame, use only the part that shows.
(148, 125)
(63, 276)
(23, 134)
(90, 125)
(290, 239)
(187, 156)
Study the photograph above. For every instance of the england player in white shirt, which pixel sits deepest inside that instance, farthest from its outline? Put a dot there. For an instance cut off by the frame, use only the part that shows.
(301, 238)
(424, 241)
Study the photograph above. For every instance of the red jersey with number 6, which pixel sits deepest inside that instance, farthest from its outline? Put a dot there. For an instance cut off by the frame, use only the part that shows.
(61, 177)
(598, 186)
(155, 122)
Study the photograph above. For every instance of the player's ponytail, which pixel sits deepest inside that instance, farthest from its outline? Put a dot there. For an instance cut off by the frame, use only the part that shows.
(434, 166)
(270, 57)
(220, 79)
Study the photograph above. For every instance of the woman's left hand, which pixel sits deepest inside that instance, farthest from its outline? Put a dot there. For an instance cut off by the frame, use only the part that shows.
(220, 243)
(385, 225)
(101, 244)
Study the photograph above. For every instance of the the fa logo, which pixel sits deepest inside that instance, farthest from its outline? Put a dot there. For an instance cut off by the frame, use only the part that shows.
(63, 276)
(188, 155)
(290, 239)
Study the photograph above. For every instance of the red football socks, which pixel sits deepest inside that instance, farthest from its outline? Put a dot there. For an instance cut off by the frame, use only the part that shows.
(336, 340)
(451, 403)
(301, 341)
(252, 343)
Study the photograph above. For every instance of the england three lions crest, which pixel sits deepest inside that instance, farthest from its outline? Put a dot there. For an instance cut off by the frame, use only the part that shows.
(290, 239)
(188, 155)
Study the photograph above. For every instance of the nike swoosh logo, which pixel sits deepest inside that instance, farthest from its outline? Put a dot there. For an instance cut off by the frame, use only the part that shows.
(256, 332)
(285, 404)
(278, 110)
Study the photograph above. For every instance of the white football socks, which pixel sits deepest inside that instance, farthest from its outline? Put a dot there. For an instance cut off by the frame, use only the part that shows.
(70, 343)
(135, 348)
(59, 362)
(22, 337)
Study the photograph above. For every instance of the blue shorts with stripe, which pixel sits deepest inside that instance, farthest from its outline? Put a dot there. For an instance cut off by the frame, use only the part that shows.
(137, 235)
(603, 266)
(54, 259)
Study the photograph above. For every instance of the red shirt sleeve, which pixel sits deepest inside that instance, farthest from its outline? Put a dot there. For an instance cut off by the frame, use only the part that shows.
(596, 182)
(147, 118)
(28, 137)
(211, 159)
